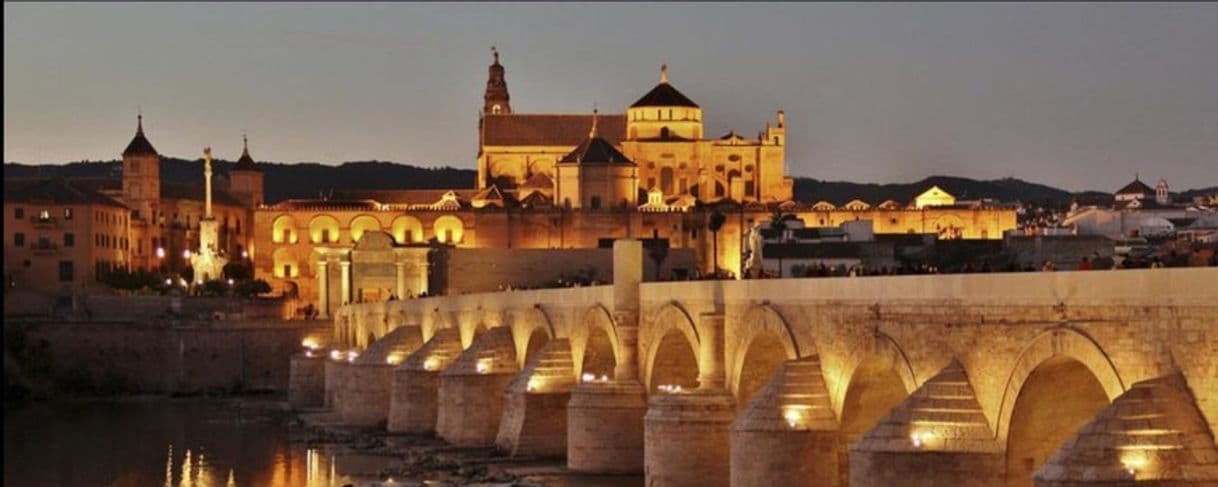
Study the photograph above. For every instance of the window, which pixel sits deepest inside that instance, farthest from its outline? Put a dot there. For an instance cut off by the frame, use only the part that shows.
(19, 212)
(596, 202)
(663, 132)
(287, 270)
(684, 185)
(19, 239)
(67, 213)
(69, 240)
(66, 271)
(496, 109)
(44, 242)
(44, 215)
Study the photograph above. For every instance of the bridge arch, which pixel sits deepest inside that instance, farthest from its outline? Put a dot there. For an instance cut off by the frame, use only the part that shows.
(877, 381)
(598, 351)
(765, 342)
(672, 350)
(530, 331)
(1058, 340)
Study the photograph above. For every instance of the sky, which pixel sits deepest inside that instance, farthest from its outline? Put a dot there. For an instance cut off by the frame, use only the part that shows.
(1079, 96)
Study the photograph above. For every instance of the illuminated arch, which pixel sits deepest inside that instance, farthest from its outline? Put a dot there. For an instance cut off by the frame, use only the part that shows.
(757, 322)
(361, 224)
(670, 317)
(286, 265)
(596, 318)
(449, 229)
(283, 229)
(406, 229)
(1057, 341)
(323, 229)
(523, 331)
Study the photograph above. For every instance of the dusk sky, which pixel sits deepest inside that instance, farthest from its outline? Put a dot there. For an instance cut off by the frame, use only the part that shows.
(1079, 96)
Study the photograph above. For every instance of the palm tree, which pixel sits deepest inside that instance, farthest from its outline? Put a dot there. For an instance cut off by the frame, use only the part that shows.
(717, 218)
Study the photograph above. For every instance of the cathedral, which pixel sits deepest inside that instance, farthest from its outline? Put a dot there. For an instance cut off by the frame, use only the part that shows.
(659, 143)
(572, 181)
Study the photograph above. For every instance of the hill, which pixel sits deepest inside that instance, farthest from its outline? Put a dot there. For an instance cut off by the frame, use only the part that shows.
(310, 179)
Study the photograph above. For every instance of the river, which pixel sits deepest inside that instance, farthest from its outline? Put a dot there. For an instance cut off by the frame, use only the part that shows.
(199, 442)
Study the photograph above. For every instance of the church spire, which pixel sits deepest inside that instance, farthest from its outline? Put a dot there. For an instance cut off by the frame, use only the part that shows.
(595, 115)
(496, 100)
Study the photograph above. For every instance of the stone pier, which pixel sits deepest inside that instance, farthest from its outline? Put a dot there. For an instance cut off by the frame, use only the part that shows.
(686, 439)
(365, 394)
(535, 409)
(472, 390)
(307, 382)
(605, 427)
(416, 384)
(788, 434)
(937, 436)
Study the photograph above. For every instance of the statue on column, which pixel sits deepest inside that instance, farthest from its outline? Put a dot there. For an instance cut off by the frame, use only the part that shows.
(207, 262)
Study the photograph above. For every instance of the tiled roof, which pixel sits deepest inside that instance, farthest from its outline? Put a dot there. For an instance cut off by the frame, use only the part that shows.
(1136, 187)
(549, 129)
(595, 150)
(664, 95)
(401, 196)
(57, 190)
(538, 181)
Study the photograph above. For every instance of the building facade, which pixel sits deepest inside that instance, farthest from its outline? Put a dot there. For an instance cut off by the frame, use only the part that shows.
(549, 181)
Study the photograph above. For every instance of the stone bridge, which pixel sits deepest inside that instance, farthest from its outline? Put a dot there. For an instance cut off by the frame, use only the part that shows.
(1066, 378)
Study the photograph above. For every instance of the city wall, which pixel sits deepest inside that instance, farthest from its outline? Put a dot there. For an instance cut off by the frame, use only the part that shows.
(137, 358)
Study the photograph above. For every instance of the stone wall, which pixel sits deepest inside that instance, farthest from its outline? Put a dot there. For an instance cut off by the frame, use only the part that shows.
(489, 270)
(123, 357)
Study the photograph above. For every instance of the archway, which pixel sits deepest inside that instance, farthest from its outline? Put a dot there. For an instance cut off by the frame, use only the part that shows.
(763, 357)
(407, 229)
(874, 389)
(449, 229)
(361, 224)
(283, 230)
(323, 229)
(537, 339)
(285, 263)
(598, 354)
(766, 341)
(674, 362)
(1057, 399)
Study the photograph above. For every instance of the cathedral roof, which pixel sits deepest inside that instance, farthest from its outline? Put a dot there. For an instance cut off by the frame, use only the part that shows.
(246, 163)
(1136, 187)
(139, 145)
(664, 95)
(596, 150)
(549, 129)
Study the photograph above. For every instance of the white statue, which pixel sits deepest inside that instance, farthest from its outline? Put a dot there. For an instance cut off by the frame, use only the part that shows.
(753, 245)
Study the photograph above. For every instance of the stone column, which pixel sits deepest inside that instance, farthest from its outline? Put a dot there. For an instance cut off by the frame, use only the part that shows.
(401, 275)
(323, 289)
(346, 281)
(424, 270)
(711, 371)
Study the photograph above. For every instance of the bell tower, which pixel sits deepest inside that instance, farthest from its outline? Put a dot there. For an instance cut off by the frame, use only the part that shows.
(142, 175)
(496, 100)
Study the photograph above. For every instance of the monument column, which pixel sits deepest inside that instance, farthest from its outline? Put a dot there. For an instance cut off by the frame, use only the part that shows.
(323, 289)
(345, 285)
(424, 272)
(627, 276)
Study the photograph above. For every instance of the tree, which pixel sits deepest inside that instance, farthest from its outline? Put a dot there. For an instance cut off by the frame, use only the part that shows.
(238, 270)
(250, 288)
(717, 219)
